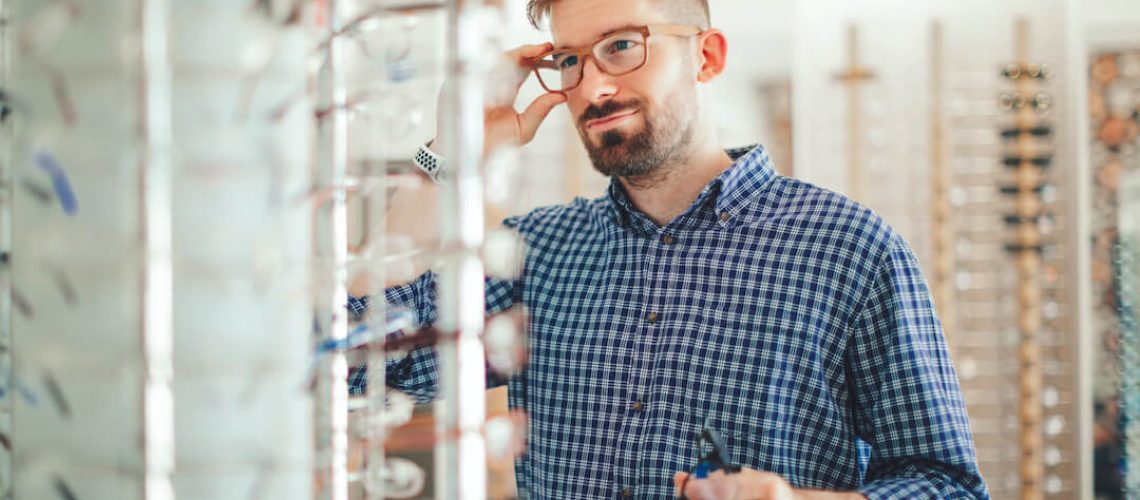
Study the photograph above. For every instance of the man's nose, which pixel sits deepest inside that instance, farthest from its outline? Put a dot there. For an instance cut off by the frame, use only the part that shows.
(596, 85)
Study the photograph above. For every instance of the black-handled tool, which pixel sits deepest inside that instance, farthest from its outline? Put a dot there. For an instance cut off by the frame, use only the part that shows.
(713, 461)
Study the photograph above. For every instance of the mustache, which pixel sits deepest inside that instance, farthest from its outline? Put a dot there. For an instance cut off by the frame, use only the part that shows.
(594, 112)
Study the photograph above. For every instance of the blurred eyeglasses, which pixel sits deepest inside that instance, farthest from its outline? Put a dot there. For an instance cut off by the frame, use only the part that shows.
(1031, 70)
(1041, 103)
(615, 54)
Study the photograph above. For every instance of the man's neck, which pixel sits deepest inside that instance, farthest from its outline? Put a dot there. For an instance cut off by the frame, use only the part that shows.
(668, 192)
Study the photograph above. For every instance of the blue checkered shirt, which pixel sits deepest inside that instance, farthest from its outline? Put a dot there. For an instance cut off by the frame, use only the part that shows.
(786, 317)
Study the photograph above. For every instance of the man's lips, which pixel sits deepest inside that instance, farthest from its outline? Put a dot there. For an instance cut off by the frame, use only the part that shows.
(609, 120)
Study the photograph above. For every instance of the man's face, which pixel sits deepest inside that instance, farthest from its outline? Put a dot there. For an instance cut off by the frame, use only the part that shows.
(633, 123)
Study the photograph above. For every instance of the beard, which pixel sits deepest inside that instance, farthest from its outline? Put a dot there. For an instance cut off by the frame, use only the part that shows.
(663, 139)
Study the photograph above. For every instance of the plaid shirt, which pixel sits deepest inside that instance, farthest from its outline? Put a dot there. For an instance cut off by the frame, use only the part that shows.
(788, 318)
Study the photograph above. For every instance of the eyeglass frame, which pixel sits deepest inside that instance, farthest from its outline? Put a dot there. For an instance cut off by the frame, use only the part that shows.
(584, 51)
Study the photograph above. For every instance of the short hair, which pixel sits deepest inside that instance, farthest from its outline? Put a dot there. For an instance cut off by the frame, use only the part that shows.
(694, 12)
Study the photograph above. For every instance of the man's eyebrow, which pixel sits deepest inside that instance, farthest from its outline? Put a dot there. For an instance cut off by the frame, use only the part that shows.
(563, 48)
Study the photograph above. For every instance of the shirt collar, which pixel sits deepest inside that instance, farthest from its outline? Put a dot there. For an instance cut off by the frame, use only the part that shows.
(733, 190)
(748, 177)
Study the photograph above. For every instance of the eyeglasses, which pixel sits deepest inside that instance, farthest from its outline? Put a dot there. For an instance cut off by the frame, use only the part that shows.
(617, 53)
(1041, 102)
(1032, 70)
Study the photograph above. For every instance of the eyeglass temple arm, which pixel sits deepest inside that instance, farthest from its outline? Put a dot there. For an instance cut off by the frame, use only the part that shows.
(541, 63)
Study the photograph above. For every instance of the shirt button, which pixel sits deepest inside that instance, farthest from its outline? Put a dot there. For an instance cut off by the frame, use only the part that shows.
(652, 317)
(637, 406)
(626, 493)
(724, 216)
(668, 239)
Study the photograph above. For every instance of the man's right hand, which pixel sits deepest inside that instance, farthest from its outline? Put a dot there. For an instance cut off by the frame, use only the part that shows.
(412, 210)
(502, 124)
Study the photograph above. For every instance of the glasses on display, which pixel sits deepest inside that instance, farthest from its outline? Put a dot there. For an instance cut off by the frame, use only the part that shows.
(615, 54)
(1040, 102)
(1032, 70)
(1033, 131)
(396, 478)
(40, 33)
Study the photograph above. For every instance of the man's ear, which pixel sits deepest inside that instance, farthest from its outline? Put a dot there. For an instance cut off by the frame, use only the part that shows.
(713, 49)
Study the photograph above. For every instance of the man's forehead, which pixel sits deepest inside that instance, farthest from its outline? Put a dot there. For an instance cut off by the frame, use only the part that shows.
(578, 22)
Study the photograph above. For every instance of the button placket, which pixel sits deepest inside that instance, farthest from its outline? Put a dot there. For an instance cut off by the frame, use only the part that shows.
(644, 345)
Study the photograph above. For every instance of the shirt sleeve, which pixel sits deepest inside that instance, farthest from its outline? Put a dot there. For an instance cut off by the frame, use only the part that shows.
(909, 406)
(417, 373)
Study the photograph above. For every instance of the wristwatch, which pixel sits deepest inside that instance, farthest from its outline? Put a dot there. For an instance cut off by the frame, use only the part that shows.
(431, 163)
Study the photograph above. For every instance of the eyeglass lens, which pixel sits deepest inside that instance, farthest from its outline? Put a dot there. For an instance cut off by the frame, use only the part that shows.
(616, 54)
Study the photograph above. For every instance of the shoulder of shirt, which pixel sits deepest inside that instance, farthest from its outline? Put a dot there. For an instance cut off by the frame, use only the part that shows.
(577, 214)
(820, 209)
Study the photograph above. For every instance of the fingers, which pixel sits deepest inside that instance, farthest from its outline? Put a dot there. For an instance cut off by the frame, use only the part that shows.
(536, 113)
(701, 489)
(678, 483)
(720, 485)
(697, 489)
(507, 76)
(521, 58)
(764, 485)
(526, 52)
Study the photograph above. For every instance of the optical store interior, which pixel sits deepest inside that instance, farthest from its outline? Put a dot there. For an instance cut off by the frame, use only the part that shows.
(569, 249)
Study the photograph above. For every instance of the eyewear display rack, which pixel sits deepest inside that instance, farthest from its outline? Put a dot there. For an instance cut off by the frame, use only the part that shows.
(179, 177)
(162, 326)
(5, 252)
(1029, 155)
(941, 208)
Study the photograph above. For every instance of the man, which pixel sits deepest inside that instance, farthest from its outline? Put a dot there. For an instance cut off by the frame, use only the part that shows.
(704, 291)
